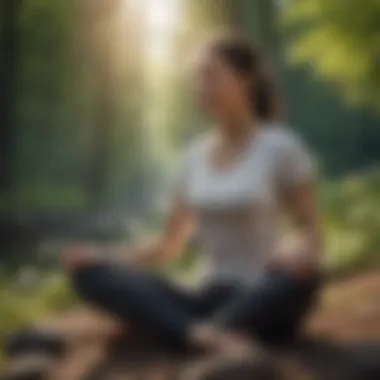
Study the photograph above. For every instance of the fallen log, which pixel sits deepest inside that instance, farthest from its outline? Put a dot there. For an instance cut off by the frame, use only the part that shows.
(144, 357)
(304, 360)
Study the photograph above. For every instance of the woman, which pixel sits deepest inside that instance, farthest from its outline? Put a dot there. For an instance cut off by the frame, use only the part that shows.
(234, 185)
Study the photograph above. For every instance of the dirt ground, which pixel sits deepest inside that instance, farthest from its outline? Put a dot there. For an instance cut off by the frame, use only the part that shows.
(349, 309)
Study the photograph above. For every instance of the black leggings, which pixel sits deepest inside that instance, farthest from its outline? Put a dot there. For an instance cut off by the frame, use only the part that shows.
(272, 309)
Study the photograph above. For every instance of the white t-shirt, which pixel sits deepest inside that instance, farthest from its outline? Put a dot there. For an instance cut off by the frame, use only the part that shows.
(238, 209)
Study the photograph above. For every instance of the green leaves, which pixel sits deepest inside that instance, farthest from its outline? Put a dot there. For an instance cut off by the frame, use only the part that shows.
(340, 41)
(352, 216)
(19, 308)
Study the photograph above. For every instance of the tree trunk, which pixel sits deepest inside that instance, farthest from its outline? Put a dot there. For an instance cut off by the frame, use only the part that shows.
(9, 65)
(9, 53)
(99, 22)
(235, 14)
(100, 153)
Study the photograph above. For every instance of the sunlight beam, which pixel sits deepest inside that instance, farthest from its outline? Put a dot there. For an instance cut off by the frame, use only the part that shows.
(161, 19)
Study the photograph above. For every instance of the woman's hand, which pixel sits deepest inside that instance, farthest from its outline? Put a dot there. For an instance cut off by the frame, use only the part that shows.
(300, 264)
(79, 256)
(208, 337)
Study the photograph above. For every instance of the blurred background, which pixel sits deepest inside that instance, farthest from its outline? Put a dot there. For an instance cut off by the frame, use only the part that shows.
(95, 108)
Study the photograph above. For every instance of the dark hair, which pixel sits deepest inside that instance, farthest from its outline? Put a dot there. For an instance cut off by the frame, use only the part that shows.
(246, 60)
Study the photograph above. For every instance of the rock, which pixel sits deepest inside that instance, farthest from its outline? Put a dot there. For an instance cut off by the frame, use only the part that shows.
(227, 369)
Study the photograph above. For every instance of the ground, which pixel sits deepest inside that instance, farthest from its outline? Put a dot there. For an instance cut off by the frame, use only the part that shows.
(349, 309)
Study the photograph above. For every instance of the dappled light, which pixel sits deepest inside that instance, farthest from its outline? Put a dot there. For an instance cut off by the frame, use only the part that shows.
(99, 104)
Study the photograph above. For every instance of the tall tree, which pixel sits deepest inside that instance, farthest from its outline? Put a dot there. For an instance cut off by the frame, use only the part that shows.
(97, 22)
(112, 52)
(10, 12)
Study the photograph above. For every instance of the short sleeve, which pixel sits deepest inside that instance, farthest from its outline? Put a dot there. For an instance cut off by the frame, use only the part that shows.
(182, 174)
(189, 163)
(294, 162)
(186, 167)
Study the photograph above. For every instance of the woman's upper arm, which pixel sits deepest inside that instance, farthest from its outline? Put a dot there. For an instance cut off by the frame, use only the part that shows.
(296, 179)
(301, 203)
(178, 228)
(180, 221)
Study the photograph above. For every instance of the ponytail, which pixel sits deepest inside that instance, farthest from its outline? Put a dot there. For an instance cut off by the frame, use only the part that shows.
(247, 61)
(264, 98)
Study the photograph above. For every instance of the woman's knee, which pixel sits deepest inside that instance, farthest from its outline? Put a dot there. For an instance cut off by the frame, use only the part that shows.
(87, 281)
(98, 283)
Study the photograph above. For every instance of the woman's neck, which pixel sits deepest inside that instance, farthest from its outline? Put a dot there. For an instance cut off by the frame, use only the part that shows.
(236, 129)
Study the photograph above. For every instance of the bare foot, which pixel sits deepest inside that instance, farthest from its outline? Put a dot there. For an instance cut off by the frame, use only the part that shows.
(221, 342)
(79, 363)
(233, 345)
(84, 326)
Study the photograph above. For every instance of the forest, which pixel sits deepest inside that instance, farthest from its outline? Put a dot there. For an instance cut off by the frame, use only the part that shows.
(95, 110)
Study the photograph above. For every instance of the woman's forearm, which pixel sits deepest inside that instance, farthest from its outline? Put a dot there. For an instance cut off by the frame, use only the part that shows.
(148, 254)
(153, 252)
(311, 241)
(302, 254)
(308, 222)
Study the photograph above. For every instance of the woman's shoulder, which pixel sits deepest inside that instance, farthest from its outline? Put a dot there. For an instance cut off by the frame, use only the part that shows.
(190, 157)
(289, 153)
(280, 136)
(198, 145)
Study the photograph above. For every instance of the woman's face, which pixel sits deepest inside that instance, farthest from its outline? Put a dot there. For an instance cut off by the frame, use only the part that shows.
(220, 90)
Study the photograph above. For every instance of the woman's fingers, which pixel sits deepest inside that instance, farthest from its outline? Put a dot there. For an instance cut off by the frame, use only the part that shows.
(299, 265)
(79, 256)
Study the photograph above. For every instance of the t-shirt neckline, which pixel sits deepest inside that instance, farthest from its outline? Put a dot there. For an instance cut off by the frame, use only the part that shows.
(253, 137)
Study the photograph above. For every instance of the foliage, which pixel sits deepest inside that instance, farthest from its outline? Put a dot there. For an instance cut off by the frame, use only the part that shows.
(352, 211)
(339, 40)
(40, 198)
(22, 304)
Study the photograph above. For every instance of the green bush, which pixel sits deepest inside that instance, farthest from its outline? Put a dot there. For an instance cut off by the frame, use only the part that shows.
(352, 220)
(41, 197)
(20, 307)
